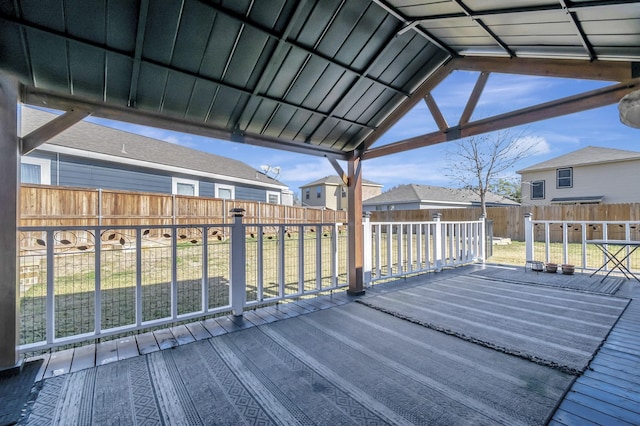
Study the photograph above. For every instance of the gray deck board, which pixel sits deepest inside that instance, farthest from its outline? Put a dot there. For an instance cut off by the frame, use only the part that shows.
(198, 331)
(165, 339)
(147, 343)
(106, 352)
(59, 363)
(613, 412)
(213, 327)
(83, 357)
(182, 334)
(127, 348)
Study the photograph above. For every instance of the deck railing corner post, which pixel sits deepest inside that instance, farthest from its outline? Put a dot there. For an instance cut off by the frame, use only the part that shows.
(437, 241)
(367, 248)
(483, 238)
(238, 262)
(528, 236)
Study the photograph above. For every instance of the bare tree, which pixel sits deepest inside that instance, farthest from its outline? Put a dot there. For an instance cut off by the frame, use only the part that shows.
(478, 162)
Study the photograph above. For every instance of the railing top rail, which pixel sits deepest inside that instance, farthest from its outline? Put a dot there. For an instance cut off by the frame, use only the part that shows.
(423, 222)
(176, 225)
(588, 222)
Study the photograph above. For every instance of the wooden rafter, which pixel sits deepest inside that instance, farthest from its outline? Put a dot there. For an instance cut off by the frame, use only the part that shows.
(569, 105)
(441, 122)
(427, 86)
(566, 68)
(474, 98)
(49, 130)
(37, 97)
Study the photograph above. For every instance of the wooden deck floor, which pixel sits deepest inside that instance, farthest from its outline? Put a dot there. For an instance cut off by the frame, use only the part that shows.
(607, 393)
(80, 358)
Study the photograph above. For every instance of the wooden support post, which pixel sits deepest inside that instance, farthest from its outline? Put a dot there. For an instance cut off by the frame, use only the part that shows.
(9, 219)
(355, 240)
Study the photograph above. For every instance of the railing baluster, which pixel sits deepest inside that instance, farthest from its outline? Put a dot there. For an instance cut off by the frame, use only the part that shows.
(318, 259)
(98, 280)
(138, 277)
(174, 274)
(51, 296)
(205, 269)
(301, 258)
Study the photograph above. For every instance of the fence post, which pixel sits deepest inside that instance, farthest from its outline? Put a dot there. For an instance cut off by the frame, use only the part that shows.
(238, 262)
(528, 236)
(367, 248)
(437, 242)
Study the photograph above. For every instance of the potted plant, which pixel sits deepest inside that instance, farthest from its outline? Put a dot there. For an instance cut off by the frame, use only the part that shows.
(568, 269)
(552, 268)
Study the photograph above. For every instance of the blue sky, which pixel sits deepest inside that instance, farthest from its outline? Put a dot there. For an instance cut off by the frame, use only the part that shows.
(551, 138)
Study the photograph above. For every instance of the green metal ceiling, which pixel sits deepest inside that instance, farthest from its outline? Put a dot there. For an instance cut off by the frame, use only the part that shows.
(316, 76)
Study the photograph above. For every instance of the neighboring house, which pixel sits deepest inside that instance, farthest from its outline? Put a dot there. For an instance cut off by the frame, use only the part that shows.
(590, 175)
(94, 156)
(331, 192)
(417, 197)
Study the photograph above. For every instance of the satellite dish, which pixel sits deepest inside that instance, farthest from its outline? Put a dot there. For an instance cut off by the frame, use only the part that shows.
(265, 168)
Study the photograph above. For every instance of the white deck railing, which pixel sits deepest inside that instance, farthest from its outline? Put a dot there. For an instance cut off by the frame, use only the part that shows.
(394, 249)
(567, 242)
(83, 283)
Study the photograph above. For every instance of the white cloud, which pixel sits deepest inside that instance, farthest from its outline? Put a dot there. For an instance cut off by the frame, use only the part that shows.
(537, 144)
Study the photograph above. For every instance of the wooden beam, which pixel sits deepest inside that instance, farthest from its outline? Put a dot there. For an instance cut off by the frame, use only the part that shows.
(441, 122)
(569, 105)
(355, 232)
(567, 68)
(427, 86)
(38, 97)
(50, 130)
(9, 218)
(474, 98)
(339, 170)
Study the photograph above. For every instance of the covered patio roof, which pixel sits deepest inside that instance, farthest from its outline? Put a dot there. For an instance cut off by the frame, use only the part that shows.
(323, 77)
(320, 77)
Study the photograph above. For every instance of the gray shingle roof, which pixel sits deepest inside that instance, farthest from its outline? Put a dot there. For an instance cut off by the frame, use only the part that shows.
(584, 156)
(335, 180)
(96, 138)
(413, 193)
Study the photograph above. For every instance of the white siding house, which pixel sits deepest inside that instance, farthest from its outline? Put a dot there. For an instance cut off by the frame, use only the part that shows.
(89, 155)
(587, 176)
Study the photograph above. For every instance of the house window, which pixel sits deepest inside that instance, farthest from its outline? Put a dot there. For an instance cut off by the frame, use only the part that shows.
(273, 197)
(226, 192)
(565, 177)
(306, 194)
(35, 170)
(319, 192)
(344, 193)
(185, 186)
(537, 190)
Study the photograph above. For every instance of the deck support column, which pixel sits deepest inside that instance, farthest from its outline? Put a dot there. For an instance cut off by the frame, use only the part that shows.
(355, 229)
(9, 219)
(238, 286)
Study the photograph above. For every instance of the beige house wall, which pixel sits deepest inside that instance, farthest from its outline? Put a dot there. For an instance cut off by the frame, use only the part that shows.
(617, 182)
(332, 198)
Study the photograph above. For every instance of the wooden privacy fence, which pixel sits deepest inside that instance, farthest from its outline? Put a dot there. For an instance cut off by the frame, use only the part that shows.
(509, 221)
(65, 206)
